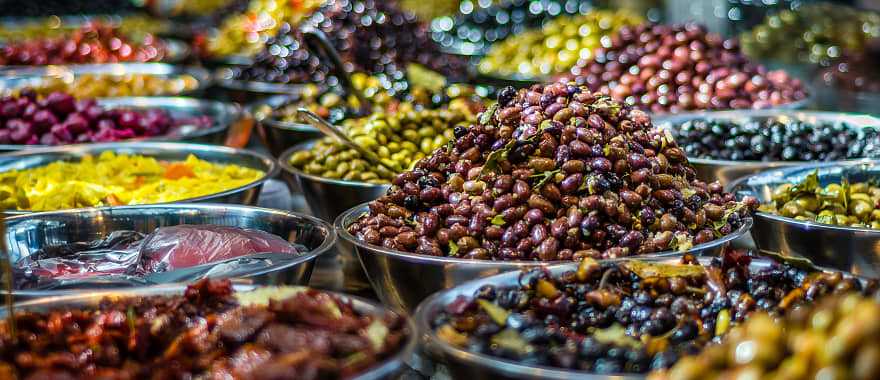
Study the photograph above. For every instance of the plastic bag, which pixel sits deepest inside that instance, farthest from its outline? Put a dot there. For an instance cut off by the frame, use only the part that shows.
(129, 257)
(183, 246)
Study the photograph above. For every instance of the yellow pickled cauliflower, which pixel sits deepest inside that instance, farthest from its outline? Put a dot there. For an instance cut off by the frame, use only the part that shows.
(112, 179)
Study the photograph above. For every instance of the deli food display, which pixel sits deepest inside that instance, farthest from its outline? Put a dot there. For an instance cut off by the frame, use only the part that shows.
(554, 189)
(292, 333)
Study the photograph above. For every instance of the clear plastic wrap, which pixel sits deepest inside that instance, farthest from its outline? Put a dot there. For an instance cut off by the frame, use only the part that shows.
(168, 254)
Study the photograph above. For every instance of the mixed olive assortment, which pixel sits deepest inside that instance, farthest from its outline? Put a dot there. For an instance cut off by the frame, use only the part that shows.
(775, 139)
(388, 41)
(58, 119)
(836, 338)
(552, 172)
(109, 85)
(674, 68)
(93, 43)
(556, 47)
(398, 138)
(245, 33)
(481, 23)
(843, 204)
(630, 316)
(811, 33)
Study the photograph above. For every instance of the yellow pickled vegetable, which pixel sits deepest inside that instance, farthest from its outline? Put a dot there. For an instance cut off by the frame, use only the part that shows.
(111, 179)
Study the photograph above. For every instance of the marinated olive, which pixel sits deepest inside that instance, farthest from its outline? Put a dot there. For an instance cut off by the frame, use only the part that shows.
(844, 204)
(836, 337)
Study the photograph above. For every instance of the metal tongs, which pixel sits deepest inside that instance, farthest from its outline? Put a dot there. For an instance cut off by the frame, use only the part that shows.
(318, 42)
(333, 131)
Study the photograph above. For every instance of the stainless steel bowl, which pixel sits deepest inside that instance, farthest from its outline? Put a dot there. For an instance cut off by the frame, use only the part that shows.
(385, 370)
(246, 195)
(246, 92)
(851, 249)
(223, 115)
(25, 234)
(278, 135)
(15, 77)
(327, 199)
(403, 279)
(473, 366)
(727, 171)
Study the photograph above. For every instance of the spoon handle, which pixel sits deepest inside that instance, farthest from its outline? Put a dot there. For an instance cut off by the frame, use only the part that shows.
(318, 41)
(333, 131)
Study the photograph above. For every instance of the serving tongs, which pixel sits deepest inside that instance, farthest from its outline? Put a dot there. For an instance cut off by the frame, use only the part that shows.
(318, 42)
(333, 131)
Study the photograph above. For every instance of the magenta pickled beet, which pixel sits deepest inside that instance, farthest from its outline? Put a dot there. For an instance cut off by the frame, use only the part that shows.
(60, 119)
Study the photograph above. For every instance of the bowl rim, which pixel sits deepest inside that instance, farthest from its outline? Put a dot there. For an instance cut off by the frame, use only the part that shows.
(328, 242)
(677, 119)
(805, 224)
(223, 80)
(234, 111)
(341, 226)
(270, 166)
(202, 75)
(382, 369)
(284, 163)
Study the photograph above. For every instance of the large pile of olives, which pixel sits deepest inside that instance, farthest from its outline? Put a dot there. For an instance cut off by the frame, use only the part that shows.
(550, 173)
(663, 68)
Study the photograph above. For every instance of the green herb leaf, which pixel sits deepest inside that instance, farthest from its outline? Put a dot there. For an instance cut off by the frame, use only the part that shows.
(453, 248)
(543, 177)
(486, 116)
(808, 185)
(498, 220)
(491, 165)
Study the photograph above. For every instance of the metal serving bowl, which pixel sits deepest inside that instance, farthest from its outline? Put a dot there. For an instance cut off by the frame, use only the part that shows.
(280, 135)
(468, 365)
(246, 195)
(25, 234)
(15, 77)
(385, 370)
(727, 171)
(403, 279)
(850, 249)
(245, 92)
(327, 199)
(223, 115)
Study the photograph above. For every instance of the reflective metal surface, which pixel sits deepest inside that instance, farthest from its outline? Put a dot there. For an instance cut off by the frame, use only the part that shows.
(246, 195)
(26, 234)
(278, 135)
(385, 370)
(851, 249)
(243, 91)
(14, 77)
(473, 366)
(402, 279)
(327, 199)
(727, 171)
(222, 115)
